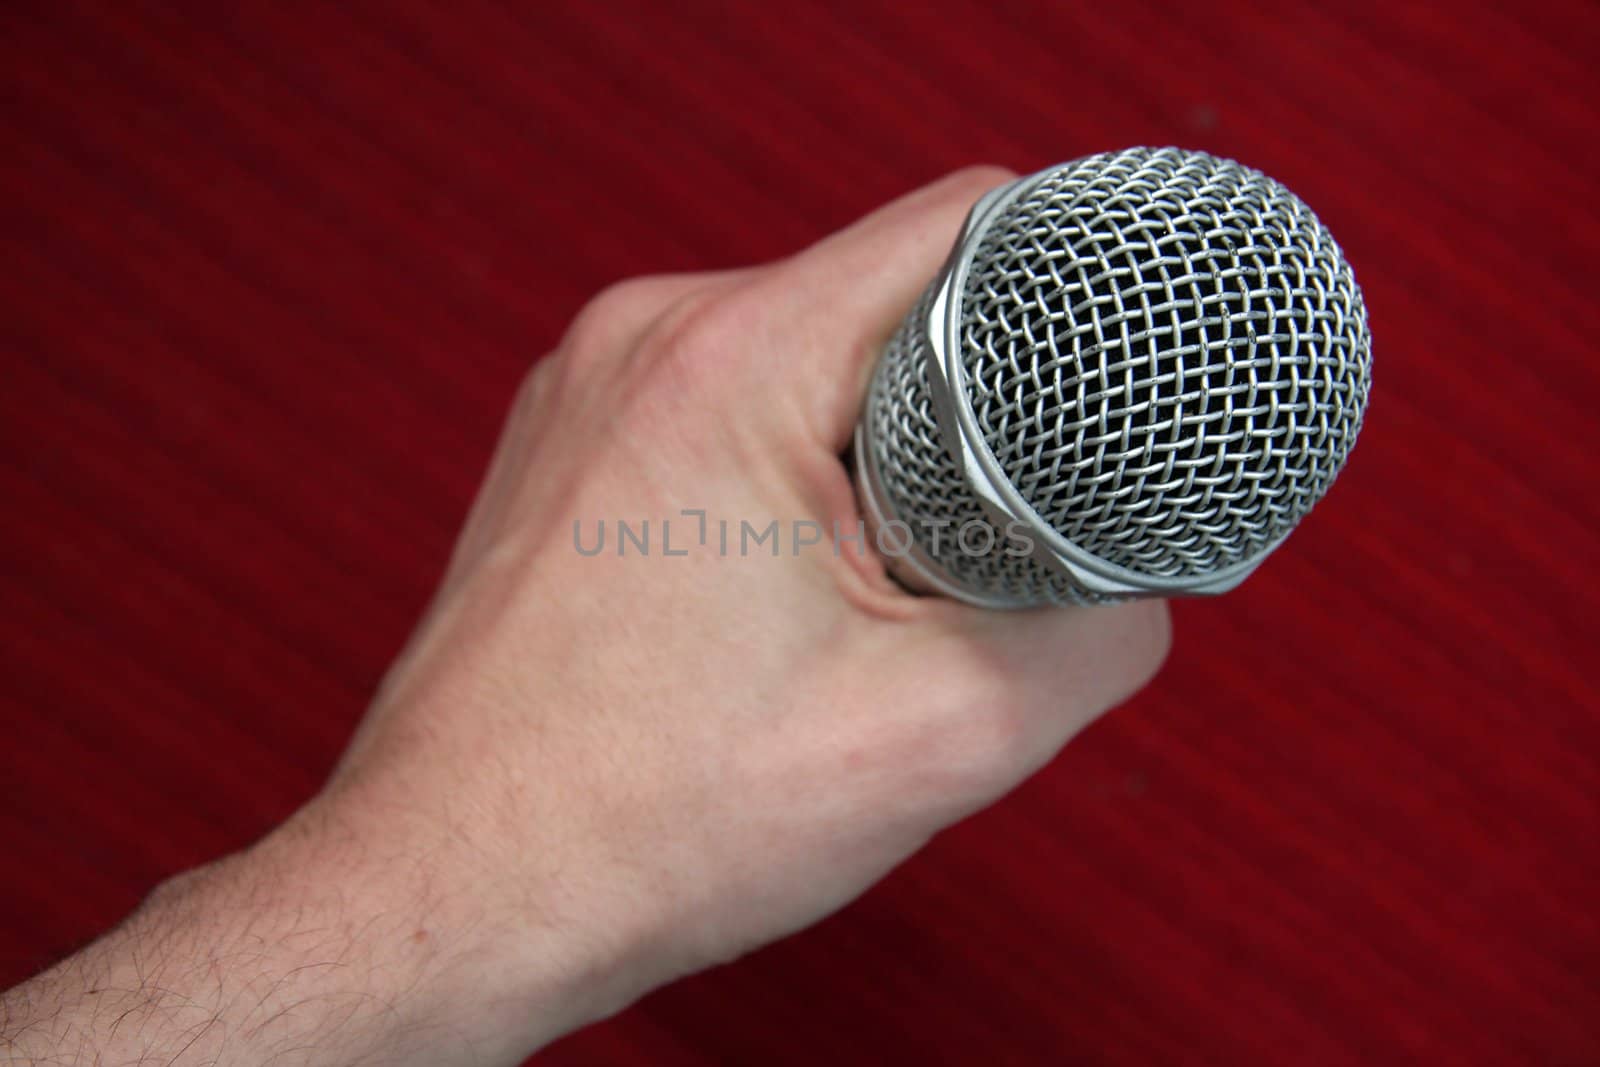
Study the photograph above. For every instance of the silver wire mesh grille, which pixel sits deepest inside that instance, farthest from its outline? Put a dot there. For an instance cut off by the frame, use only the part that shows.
(1167, 356)
(926, 489)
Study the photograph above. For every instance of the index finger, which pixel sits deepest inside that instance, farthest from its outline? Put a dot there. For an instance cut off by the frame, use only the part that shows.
(832, 307)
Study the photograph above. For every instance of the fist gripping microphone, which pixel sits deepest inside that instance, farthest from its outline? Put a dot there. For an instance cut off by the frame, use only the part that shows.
(1136, 372)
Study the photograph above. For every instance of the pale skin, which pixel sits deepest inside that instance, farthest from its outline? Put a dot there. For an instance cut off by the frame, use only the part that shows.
(586, 777)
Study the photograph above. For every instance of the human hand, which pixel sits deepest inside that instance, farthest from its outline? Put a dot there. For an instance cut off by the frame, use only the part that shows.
(588, 775)
(662, 762)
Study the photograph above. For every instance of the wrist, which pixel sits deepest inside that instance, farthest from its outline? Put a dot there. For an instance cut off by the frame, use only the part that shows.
(308, 948)
(487, 959)
(443, 967)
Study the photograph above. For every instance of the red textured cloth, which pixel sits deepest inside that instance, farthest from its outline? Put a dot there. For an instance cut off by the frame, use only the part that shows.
(273, 269)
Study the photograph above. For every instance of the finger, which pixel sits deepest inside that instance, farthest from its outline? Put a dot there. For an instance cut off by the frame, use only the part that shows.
(832, 307)
(1063, 668)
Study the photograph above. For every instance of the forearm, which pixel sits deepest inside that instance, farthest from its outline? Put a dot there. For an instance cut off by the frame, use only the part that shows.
(289, 953)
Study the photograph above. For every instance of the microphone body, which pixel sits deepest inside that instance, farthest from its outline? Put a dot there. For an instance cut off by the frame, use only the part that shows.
(1134, 375)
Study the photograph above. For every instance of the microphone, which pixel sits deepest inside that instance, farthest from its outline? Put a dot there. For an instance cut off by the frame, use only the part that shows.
(1134, 375)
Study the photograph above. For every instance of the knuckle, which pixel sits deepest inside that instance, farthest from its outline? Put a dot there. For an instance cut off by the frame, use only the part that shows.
(974, 736)
(973, 757)
(995, 735)
(536, 381)
(1148, 636)
(697, 331)
(631, 294)
(983, 175)
(612, 315)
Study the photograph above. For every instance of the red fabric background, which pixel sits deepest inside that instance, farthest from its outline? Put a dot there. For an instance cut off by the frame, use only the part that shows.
(273, 269)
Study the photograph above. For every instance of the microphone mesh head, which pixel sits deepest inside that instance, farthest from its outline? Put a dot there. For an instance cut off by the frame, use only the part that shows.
(1164, 354)
(927, 490)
